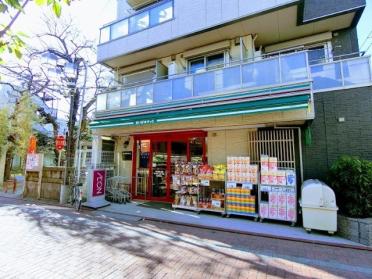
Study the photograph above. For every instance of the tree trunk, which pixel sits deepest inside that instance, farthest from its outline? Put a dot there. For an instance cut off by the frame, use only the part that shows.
(71, 137)
(8, 164)
(2, 163)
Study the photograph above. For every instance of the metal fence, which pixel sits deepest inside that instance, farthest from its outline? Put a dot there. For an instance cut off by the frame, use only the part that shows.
(278, 143)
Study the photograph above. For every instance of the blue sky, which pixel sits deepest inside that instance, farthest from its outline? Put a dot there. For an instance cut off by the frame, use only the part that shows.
(90, 15)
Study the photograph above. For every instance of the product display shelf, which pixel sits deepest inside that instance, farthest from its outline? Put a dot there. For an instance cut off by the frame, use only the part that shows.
(205, 191)
(188, 196)
(193, 208)
(235, 199)
(287, 191)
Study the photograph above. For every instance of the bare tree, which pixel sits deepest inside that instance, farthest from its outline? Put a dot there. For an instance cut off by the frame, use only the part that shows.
(56, 66)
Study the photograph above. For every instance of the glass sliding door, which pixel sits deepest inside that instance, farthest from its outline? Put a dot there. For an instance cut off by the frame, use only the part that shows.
(159, 169)
(142, 168)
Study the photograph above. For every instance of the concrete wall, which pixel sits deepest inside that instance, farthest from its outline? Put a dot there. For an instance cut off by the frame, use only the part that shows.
(221, 144)
(125, 167)
(189, 17)
(122, 9)
(332, 138)
(345, 42)
(314, 9)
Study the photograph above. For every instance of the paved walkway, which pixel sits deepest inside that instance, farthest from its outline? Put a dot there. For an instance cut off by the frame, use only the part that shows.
(53, 242)
(215, 221)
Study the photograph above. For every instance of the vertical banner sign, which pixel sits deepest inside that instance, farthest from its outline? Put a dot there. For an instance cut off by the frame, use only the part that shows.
(32, 145)
(99, 182)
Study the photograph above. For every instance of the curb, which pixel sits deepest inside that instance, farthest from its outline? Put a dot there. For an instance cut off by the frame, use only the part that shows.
(265, 235)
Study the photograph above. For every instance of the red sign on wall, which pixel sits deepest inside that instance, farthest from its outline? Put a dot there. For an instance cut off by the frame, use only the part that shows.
(60, 142)
(99, 182)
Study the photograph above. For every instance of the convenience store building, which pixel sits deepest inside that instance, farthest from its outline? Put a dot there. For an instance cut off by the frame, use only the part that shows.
(201, 87)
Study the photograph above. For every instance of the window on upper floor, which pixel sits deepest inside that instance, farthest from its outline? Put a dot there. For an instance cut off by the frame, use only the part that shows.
(161, 13)
(317, 53)
(143, 19)
(207, 62)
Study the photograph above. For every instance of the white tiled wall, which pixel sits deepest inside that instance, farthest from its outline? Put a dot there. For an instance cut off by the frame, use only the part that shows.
(189, 17)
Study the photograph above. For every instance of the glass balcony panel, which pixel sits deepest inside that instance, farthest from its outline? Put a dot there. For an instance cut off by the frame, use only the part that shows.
(356, 71)
(294, 67)
(182, 88)
(119, 29)
(163, 91)
(231, 78)
(326, 76)
(262, 73)
(161, 13)
(144, 94)
(128, 97)
(139, 22)
(204, 84)
(113, 100)
(104, 35)
(101, 102)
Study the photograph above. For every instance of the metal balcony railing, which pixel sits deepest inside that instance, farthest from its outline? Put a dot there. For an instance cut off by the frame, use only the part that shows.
(341, 73)
(267, 72)
(277, 70)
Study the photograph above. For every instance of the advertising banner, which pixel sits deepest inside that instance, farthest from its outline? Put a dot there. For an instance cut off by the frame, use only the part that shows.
(99, 182)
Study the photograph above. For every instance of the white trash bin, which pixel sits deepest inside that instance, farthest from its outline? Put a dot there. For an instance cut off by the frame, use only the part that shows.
(319, 210)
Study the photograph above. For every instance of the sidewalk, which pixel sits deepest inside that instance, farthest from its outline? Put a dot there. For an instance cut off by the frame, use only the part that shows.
(232, 224)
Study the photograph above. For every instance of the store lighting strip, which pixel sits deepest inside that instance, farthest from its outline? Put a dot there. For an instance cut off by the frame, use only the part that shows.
(233, 113)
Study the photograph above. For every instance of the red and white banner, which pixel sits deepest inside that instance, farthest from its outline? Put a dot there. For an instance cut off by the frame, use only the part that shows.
(99, 182)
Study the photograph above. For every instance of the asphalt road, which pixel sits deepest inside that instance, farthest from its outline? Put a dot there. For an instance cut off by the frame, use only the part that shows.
(42, 241)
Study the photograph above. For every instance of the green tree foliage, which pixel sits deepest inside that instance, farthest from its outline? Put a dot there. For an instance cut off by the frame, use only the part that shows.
(13, 42)
(23, 120)
(4, 128)
(351, 178)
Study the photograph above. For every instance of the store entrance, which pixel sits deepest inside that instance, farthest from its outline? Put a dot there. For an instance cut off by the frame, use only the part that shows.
(155, 157)
(159, 169)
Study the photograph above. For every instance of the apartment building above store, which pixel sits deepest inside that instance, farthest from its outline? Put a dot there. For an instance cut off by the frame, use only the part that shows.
(148, 30)
(266, 58)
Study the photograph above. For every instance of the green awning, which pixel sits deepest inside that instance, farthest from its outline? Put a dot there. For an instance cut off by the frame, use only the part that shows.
(244, 108)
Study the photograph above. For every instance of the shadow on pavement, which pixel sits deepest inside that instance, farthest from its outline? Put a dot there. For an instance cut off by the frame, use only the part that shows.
(164, 244)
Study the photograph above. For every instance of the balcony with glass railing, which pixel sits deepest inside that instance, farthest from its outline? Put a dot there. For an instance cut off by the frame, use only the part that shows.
(141, 20)
(267, 73)
(342, 73)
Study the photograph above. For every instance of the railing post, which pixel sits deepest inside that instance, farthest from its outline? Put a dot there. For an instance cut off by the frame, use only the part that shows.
(309, 76)
(171, 88)
(342, 73)
(280, 69)
(241, 74)
(192, 85)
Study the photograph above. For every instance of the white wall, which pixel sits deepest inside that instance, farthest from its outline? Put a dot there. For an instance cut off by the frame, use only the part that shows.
(125, 167)
(223, 143)
(189, 17)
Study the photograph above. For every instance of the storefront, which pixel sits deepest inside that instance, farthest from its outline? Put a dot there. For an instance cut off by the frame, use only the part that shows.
(154, 161)
(235, 157)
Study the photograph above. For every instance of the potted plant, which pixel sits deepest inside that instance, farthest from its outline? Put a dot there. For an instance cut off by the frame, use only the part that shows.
(351, 179)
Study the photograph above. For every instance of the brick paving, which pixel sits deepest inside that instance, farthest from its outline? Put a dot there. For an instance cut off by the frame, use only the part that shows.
(41, 241)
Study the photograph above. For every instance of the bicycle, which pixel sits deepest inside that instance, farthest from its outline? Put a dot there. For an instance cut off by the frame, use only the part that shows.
(77, 196)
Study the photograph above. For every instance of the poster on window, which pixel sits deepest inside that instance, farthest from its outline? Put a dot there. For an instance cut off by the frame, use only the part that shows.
(99, 182)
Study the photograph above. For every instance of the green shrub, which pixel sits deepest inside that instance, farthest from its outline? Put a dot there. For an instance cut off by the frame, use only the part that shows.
(351, 179)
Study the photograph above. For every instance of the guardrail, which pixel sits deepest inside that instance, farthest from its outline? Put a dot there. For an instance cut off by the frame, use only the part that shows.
(277, 70)
(267, 72)
(341, 73)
